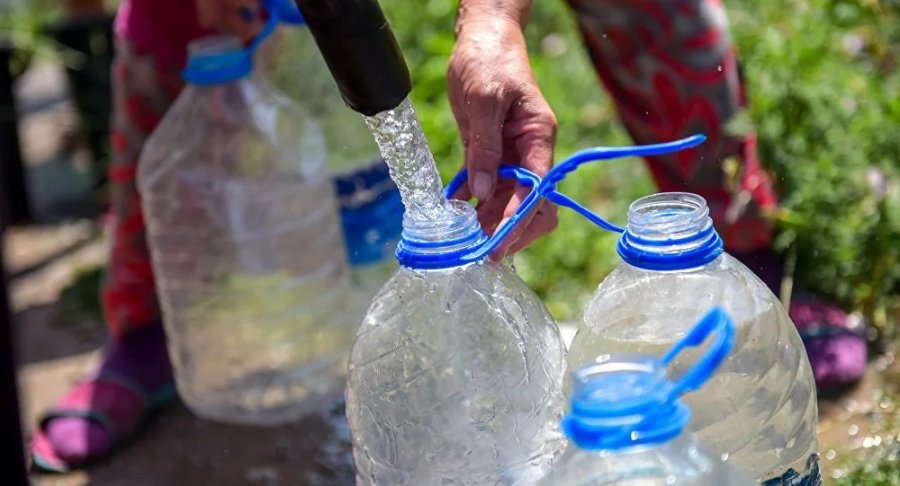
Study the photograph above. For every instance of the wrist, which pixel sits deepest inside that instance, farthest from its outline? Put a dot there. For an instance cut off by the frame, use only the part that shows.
(477, 11)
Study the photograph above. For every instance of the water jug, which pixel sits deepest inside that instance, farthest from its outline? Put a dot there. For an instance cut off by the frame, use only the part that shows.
(456, 372)
(760, 408)
(246, 244)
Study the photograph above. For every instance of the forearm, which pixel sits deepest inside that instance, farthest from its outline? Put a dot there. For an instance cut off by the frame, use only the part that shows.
(475, 10)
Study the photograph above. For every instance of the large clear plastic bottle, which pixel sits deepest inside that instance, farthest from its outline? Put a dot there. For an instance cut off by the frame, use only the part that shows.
(371, 209)
(456, 371)
(626, 423)
(246, 244)
(760, 408)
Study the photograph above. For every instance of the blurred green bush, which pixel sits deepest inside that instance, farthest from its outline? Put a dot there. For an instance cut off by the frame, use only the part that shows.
(21, 25)
(825, 99)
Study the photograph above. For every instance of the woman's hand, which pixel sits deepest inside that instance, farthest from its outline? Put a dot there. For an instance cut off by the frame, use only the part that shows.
(503, 118)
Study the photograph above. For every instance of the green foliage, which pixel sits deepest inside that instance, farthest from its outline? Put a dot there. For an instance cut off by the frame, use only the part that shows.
(825, 96)
(21, 24)
(882, 471)
(823, 81)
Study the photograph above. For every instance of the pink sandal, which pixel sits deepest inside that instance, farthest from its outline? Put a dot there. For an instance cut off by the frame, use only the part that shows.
(113, 402)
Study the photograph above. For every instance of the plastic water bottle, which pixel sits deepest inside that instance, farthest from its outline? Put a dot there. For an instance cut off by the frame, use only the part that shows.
(760, 409)
(246, 244)
(371, 208)
(627, 423)
(456, 372)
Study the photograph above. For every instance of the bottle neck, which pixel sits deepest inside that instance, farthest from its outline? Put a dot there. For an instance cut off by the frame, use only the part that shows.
(217, 60)
(438, 244)
(669, 231)
(623, 401)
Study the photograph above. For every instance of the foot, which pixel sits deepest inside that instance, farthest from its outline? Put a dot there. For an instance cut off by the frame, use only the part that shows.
(834, 340)
(133, 376)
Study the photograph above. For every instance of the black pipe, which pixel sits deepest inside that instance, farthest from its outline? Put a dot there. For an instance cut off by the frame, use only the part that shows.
(14, 204)
(361, 52)
(12, 464)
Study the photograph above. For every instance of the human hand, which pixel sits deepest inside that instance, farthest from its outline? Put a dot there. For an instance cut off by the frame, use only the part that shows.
(503, 118)
(240, 18)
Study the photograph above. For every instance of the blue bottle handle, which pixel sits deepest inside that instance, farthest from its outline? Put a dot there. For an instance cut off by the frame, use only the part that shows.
(210, 69)
(279, 11)
(717, 324)
(654, 414)
(545, 187)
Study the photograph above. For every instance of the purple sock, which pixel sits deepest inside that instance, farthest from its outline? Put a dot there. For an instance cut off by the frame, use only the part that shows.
(141, 358)
(837, 360)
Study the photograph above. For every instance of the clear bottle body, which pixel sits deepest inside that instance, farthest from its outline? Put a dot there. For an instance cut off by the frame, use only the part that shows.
(455, 378)
(248, 259)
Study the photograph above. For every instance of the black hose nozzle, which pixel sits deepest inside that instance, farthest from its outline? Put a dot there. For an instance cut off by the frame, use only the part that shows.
(361, 52)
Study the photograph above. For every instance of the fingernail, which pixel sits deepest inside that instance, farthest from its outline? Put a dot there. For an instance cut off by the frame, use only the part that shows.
(482, 185)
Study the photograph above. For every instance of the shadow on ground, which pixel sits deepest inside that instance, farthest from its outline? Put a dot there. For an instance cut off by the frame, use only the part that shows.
(180, 449)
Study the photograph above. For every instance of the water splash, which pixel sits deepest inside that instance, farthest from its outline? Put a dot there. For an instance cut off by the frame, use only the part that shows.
(405, 149)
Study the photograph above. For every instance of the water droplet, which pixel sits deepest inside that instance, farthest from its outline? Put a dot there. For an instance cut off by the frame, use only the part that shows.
(719, 68)
(853, 430)
(831, 454)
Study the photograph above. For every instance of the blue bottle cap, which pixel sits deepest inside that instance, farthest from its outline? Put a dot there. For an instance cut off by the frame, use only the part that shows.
(626, 400)
(210, 67)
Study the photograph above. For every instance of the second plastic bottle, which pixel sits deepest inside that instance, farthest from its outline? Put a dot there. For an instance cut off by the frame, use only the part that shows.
(456, 372)
(760, 408)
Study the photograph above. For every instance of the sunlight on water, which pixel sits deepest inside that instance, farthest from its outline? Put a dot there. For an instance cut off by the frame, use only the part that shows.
(412, 166)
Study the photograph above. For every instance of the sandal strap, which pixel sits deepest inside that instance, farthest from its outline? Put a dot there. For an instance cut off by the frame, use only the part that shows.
(115, 406)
